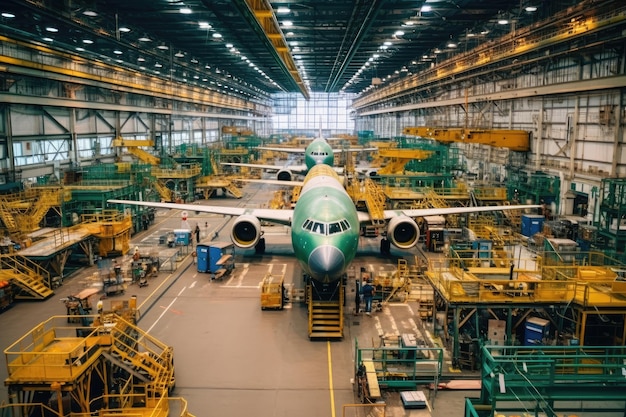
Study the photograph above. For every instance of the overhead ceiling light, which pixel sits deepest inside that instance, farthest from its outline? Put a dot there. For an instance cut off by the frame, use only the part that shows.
(158, 65)
(124, 29)
(503, 22)
(409, 23)
(289, 34)
(426, 8)
(217, 35)
(179, 54)
(194, 61)
(283, 10)
(531, 8)
(8, 15)
(79, 49)
(47, 39)
(163, 47)
(399, 33)
(204, 25)
(90, 13)
(141, 59)
(185, 10)
(52, 29)
(87, 41)
(144, 39)
(287, 23)
(451, 45)
(117, 52)
(229, 45)
(484, 32)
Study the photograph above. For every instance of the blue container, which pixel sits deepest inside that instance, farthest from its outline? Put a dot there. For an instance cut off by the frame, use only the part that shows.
(183, 237)
(536, 331)
(532, 224)
(202, 258)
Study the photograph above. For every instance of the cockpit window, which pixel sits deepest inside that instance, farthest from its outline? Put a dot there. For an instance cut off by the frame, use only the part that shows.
(326, 228)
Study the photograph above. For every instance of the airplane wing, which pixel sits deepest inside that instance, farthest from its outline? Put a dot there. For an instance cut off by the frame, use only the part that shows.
(296, 169)
(286, 150)
(389, 214)
(355, 150)
(278, 216)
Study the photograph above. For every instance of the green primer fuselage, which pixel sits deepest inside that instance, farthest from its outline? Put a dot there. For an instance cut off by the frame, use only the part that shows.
(323, 199)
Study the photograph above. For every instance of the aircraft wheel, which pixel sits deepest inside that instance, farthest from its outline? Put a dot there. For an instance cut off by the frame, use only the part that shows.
(385, 247)
(260, 246)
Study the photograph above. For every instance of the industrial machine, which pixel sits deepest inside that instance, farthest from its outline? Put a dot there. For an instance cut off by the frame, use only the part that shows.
(273, 292)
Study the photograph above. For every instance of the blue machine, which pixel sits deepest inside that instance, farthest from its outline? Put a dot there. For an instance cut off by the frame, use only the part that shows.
(217, 258)
(532, 224)
(183, 237)
(536, 331)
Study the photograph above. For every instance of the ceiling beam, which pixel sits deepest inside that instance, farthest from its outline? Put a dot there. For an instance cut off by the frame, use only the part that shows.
(260, 15)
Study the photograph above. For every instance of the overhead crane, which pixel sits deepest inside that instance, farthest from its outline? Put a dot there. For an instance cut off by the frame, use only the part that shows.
(515, 140)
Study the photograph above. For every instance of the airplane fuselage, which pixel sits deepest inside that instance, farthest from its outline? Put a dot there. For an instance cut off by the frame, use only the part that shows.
(319, 152)
(325, 226)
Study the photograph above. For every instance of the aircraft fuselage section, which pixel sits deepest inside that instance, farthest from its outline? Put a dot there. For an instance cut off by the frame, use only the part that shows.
(319, 152)
(325, 226)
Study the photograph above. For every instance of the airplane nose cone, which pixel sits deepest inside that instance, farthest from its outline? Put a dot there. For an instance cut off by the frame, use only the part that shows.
(326, 260)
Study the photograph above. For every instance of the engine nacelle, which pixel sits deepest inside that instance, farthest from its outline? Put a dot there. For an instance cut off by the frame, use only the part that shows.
(403, 232)
(246, 231)
(284, 175)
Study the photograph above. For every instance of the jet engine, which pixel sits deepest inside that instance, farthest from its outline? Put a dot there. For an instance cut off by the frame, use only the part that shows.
(246, 231)
(284, 175)
(403, 232)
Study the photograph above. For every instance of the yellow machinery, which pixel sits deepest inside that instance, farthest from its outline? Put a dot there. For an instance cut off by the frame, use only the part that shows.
(272, 292)
(62, 365)
(516, 140)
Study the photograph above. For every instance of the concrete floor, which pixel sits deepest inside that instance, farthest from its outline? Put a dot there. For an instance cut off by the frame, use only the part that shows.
(231, 357)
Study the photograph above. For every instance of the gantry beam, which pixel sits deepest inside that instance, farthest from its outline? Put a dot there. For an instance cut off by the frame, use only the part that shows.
(260, 16)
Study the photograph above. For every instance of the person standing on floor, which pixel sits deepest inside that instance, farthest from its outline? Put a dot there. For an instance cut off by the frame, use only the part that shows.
(197, 233)
(368, 295)
(357, 298)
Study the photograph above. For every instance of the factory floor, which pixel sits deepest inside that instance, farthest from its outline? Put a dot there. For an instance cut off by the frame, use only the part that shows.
(231, 357)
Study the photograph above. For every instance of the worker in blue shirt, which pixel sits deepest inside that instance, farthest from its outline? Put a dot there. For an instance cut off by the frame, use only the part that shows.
(368, 291)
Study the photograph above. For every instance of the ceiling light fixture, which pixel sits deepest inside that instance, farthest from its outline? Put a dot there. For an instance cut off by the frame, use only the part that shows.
(194, 61)
(117, 52)
(52, 29)
(87, 41)
(399, 33)
(179, 54)
(8, 15)
(204, 25)
(90, 13)
(426, 8)
(503, 22)
(158, 65)
(124, 29)
(531, 8)
(141, 59)
(144, 39)
(48, 39)
(283, 10)
(287, 23)
(163, 47)
(217, 35)
(229, 45)
(185, 10)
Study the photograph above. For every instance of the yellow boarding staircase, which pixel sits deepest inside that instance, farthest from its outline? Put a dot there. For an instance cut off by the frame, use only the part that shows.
(32, 280)
(145, 357)
(375, 202)
(325, 317)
